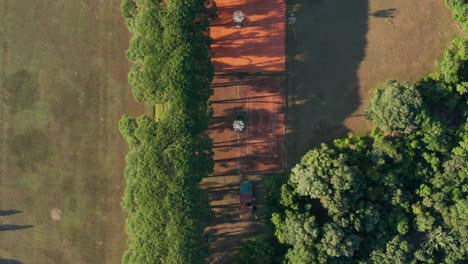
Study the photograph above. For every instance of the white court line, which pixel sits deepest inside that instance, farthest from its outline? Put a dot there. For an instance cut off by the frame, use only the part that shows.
(228, 138)
(238, 134)
(273, 132)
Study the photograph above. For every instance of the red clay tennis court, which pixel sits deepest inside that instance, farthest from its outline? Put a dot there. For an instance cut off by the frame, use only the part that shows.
(259, 46)
(260, 147)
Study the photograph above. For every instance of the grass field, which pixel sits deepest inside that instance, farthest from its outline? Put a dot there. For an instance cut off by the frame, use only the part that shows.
(339, 51)
(63, 89)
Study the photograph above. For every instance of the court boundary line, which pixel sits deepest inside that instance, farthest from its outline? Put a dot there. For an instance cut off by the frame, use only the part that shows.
(239, 171)
(273, 132)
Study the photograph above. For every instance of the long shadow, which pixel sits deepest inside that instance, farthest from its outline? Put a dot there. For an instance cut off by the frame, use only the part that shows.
(9, 212)
(217, 194)
(385, 13)
(9, 261)
(325, 47)
(14, 227)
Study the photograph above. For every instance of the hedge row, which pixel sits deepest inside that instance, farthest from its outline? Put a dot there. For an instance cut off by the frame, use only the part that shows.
(167, 210)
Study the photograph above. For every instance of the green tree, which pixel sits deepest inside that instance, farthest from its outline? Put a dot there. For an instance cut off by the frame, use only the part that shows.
(396, 252)
(167, 210)
(324, 175)
(460, 12)
(396, 107)
(437, 240)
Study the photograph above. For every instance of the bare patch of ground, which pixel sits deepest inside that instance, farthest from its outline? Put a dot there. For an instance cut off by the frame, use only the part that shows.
(63, 89)
(339, 51)
(55, 214)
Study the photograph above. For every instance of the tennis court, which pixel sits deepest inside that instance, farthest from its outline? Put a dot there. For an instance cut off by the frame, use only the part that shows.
(242, 58)
(259, 46)
(259, 148)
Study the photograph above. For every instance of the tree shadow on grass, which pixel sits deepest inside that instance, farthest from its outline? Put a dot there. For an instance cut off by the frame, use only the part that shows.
(325, 47)
(9, 261)
(9, 227)
(9, 212)
(14, 227)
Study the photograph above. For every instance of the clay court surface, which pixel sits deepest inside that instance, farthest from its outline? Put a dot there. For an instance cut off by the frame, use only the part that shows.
(339, 51)
(260, 147)
(61, 155)
(243, 156)
(250, 155)
(259, 46)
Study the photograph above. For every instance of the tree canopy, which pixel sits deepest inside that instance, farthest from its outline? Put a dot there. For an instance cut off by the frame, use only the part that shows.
(396, 107)
(171, 64)
(388, 197)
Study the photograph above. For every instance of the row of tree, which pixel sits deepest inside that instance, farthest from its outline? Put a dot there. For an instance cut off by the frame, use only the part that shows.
(399, 195)
(170, 55)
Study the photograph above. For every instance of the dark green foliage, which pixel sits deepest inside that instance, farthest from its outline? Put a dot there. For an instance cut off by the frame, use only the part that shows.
(127, 127)
(391, 197)
(167, 209)
(396, 251)
(128, 8)
(396, 107)
(460, 12)
(324, 175)
(453, 68)
(257, 251)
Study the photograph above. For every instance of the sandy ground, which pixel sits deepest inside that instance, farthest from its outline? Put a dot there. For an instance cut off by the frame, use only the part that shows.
(63, 89)
(339, 51)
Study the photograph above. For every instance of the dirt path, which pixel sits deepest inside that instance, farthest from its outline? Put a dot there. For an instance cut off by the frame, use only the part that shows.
(339, 51)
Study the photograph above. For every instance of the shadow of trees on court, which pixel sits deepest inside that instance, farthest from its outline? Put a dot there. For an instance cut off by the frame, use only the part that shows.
(252, 151)
(231, 225)
(260, 147)
(259, 37)
(324, 48)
